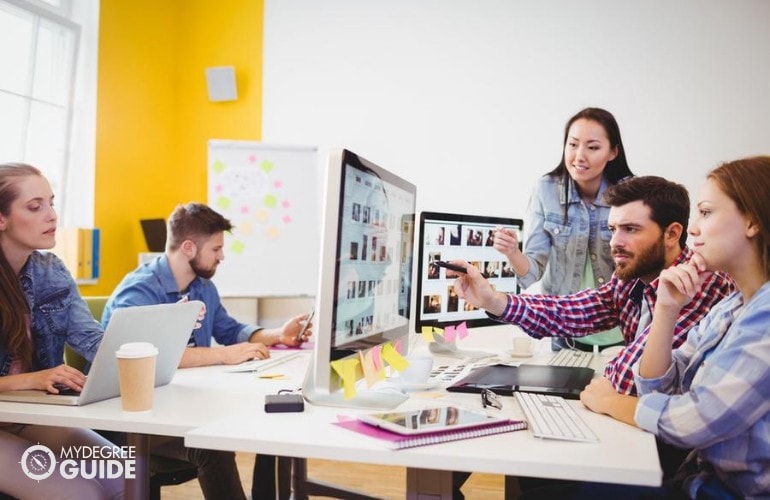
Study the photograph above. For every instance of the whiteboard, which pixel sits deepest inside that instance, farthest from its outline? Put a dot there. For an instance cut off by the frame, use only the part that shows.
(272, 195)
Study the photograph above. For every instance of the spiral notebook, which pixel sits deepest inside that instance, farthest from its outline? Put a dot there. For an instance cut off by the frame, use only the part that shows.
(396, 441)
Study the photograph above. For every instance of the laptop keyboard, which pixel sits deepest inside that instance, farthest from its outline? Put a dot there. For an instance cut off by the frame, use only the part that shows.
(551, 417)
(571, 357)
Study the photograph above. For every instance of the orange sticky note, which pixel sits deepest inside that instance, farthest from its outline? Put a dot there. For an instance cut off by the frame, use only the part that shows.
(462, 330)
(393, 358)
(371, 374)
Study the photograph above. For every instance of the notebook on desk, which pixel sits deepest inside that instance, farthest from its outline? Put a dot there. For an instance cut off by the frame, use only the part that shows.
(166, 326)
(563, 381)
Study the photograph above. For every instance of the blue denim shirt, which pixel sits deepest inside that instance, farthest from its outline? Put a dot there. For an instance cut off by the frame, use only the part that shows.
(57, 314)
(153, 283)
(557, 249)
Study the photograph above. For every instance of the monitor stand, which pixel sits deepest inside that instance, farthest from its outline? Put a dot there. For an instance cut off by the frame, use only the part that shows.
(385, 398)
(441, 347)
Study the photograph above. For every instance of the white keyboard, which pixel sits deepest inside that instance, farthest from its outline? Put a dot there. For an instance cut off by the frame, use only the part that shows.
(258, 365)
(571, 357)
(551, 417)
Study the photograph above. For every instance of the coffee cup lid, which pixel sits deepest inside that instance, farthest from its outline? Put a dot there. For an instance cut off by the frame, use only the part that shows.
(136, 350)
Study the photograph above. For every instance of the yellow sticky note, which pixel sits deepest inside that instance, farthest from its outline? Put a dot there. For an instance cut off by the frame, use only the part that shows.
(346, 369)
(427, 334)
(273, 232)
(393, 358)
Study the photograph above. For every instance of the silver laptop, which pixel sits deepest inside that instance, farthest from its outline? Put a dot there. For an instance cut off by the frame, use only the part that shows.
(166, 326)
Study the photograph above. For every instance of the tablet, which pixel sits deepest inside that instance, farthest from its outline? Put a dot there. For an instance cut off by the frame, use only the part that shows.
(436, 419)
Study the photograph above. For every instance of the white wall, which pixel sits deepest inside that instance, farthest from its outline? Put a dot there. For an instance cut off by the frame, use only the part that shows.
(468, 98)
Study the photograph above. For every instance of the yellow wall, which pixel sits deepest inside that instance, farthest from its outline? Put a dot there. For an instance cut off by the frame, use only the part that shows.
(153, 113)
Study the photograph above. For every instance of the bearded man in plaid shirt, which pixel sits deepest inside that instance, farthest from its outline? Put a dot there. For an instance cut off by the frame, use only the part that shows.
(648, 220)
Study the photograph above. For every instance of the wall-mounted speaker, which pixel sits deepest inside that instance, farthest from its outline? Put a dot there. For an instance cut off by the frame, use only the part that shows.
(220, 82)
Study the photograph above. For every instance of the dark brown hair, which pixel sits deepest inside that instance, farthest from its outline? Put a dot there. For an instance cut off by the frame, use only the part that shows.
(195, 222)
(747, 183)
(668, 201)
(13, 303)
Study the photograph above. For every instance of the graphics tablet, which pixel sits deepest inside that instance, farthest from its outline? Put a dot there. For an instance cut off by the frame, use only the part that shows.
(426, 420)
(565, 381)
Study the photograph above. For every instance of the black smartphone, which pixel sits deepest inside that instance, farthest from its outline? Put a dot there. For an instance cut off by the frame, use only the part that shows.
(298, 339)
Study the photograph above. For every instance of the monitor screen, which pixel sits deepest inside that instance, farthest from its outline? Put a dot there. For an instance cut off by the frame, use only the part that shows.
(365, 271)
(444, 236)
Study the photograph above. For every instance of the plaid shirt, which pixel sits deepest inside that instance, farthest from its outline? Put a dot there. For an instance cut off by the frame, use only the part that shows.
(616, 303)
(715, 396)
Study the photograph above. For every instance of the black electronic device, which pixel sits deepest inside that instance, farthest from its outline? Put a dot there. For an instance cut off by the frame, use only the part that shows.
(154, 231)
(284, 403)
(565, 381)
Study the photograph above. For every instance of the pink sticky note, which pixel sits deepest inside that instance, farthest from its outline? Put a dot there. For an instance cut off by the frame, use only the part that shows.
(218, 188)
(449, 333)
(244, 209)
(285, 203)
(278, 184)
(252, 158)
(286, 219)
(376, 357)
(462, 330)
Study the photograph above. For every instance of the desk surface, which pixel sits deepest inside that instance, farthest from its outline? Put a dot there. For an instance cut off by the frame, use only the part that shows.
(220, 410)
(624, 454)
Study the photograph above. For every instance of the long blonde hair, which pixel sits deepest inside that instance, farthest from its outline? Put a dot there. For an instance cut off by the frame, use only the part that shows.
(13, 303)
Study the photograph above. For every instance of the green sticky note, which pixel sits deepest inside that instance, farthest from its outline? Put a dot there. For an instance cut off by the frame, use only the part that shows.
(266, 166)
(218, 166)
(270, 200)
(237, 246)
(223, 202)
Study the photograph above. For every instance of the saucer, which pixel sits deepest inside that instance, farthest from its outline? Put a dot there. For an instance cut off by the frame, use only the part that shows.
(515, 354)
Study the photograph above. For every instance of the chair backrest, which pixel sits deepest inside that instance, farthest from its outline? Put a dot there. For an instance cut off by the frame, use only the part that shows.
(96, 306)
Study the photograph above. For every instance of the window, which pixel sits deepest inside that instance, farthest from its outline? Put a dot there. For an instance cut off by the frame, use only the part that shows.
(38, 57)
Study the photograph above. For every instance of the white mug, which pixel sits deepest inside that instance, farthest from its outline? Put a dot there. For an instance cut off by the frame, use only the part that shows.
(523, 346)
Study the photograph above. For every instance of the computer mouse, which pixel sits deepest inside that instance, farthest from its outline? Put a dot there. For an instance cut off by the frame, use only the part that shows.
(612, 351)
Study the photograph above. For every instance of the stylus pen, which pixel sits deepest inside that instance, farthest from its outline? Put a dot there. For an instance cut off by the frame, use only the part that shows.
(451, 267)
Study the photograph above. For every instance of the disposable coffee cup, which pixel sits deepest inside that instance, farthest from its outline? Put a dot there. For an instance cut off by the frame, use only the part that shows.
(136, 372)
(418, 371)
(523, 346)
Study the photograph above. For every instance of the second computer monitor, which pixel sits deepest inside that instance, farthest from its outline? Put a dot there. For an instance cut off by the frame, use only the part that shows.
(445, 236)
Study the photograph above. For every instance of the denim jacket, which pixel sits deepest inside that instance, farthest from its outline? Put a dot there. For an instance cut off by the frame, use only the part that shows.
(58, 314)
(557, 249)
(154, 283)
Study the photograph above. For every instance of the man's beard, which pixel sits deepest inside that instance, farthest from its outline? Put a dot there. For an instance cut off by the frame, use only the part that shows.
(200, 271)
(650, 262)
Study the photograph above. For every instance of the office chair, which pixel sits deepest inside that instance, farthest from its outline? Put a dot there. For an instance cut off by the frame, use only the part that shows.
(164, 471)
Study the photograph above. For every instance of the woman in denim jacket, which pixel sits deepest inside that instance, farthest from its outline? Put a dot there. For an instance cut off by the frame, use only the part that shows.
(40, 310)
(566, 230)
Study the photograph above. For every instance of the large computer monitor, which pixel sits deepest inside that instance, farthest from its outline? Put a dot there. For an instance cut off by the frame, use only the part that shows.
(365, 279)
(445, 236)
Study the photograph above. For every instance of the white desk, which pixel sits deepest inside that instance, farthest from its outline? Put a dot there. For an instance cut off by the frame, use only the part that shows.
(219, 410)
(623, 455)
(195, 397)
